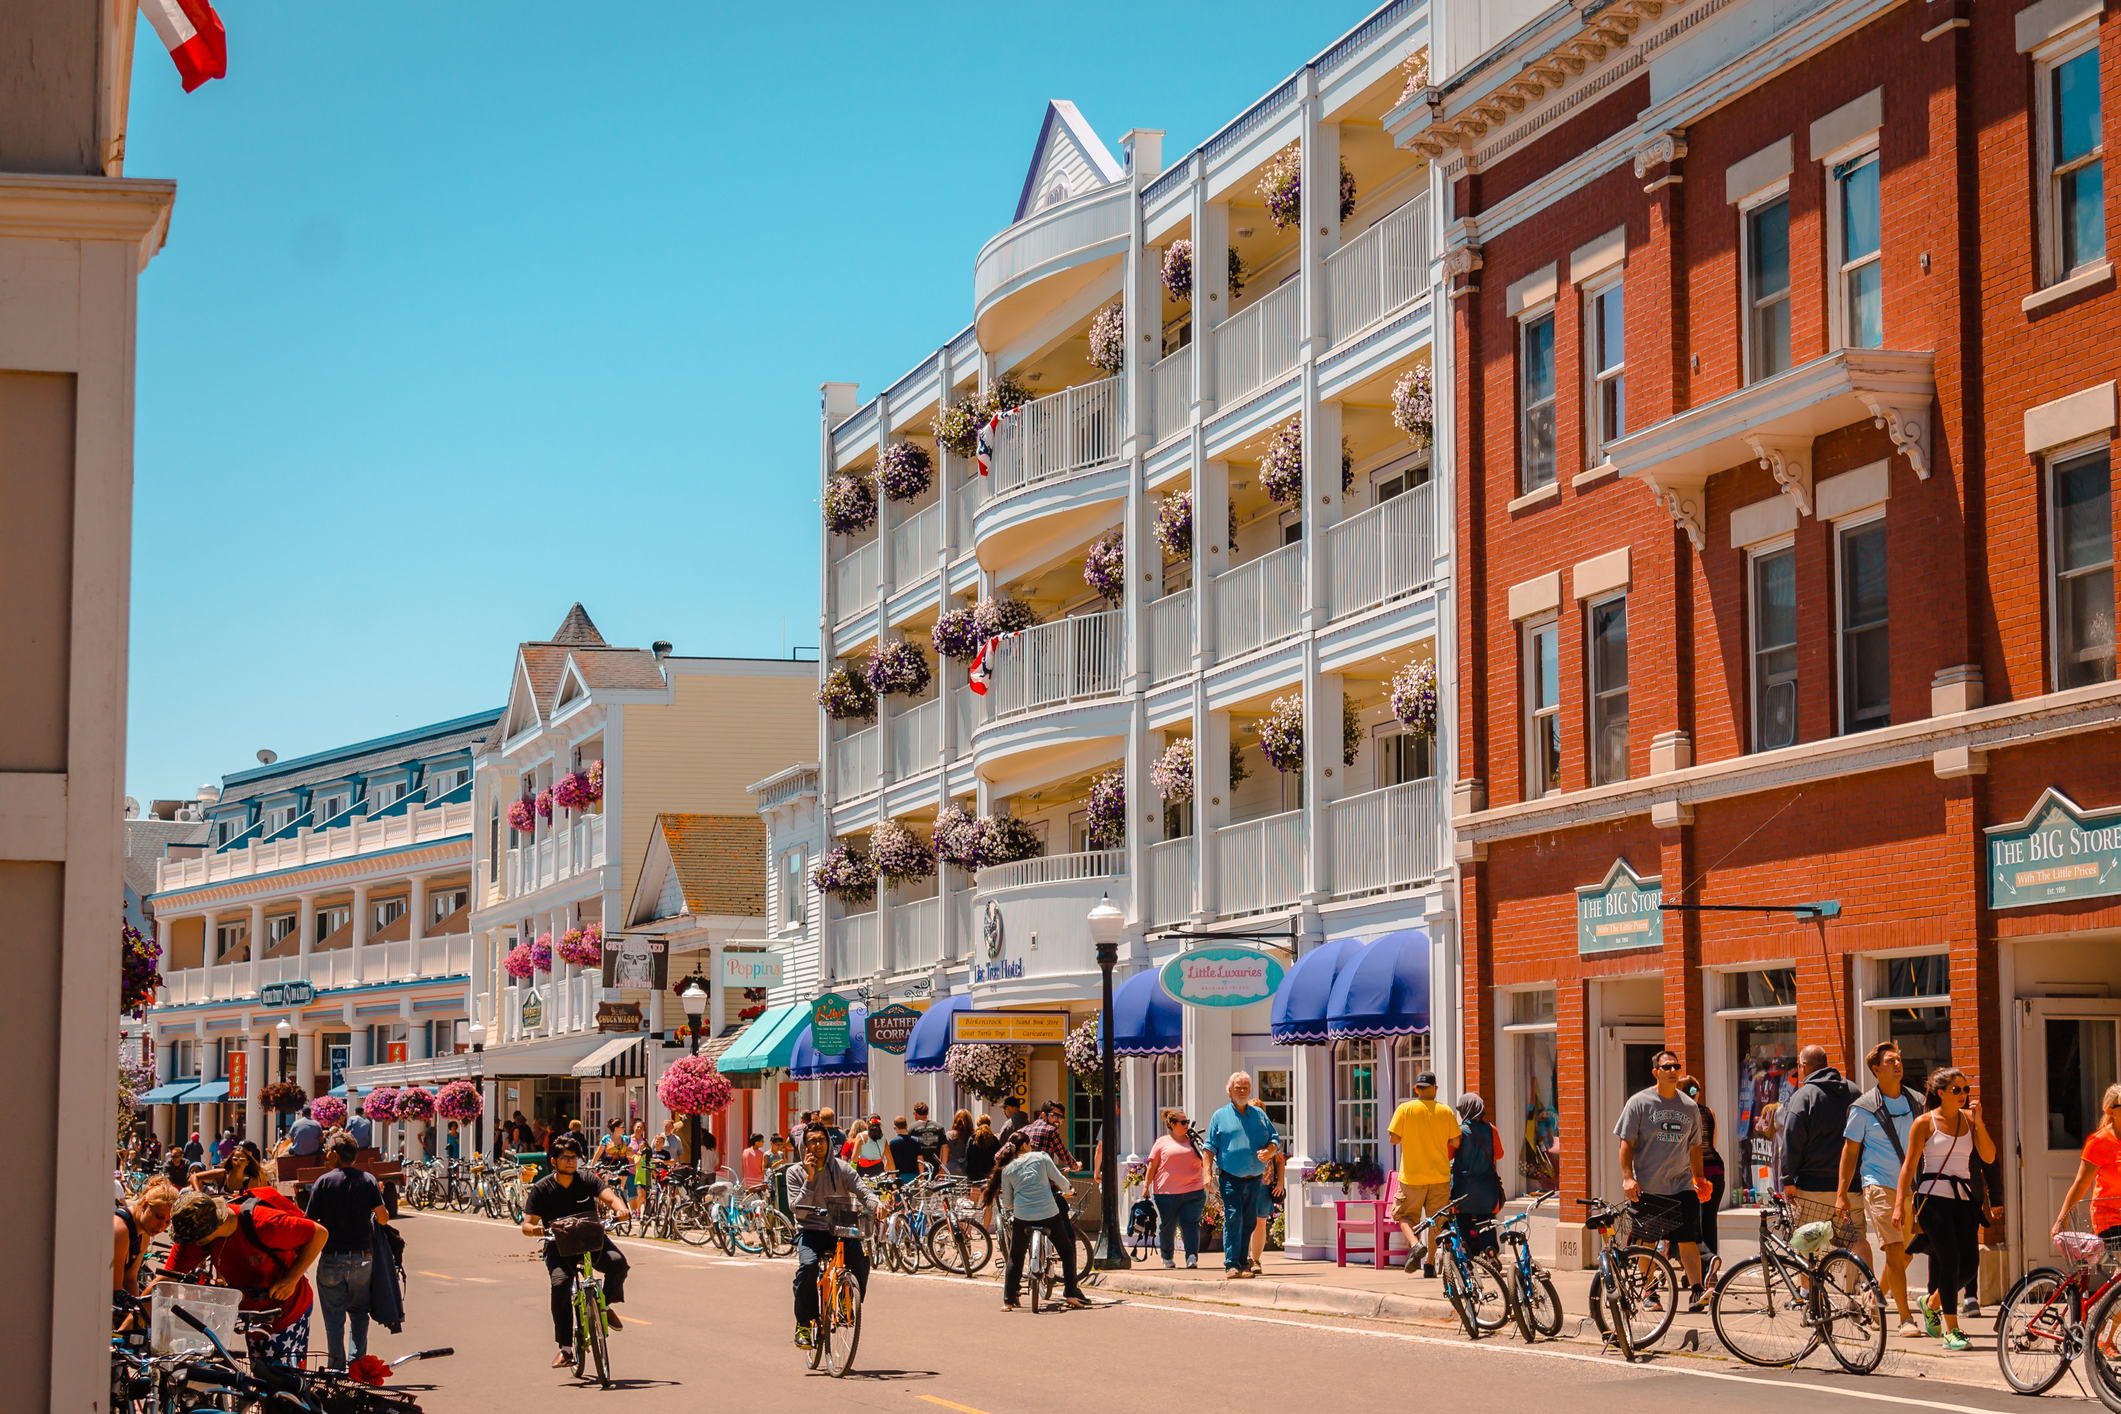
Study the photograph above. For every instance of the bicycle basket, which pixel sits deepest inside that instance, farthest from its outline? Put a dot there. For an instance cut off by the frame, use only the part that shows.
(1811, 1238)
(1652, 1218)
(2083, 1249)
(571, 1237)
(1846, 1228)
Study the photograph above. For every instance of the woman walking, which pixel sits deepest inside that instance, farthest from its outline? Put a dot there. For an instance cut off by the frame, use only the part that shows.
(980, 1151)
(1476, 1184)
(957, 1144)
(1177, 1180)
(1940, 1188)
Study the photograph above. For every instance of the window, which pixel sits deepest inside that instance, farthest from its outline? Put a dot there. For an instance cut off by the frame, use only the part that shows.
(224, 831)
(1923, 1033)
(279, 818)
(1862, 288)
(441, 783)
(381, 795)
(1866, 677)
(1391, 485)
(1767, 288)
(444, 902)
(1403, 756)
(2083, 559)
(228, 938)
(2072, 153)
(1609, 690)
(1775, 649)
(1759, 1010)
(328, 807)
(493, 843)
(1355, 1101)
(794, 889)
(1535, 402)
(388, 911)
(1277, 1096)
(1410, 1060)
(1170, 1087)
(1531, 1031)
(1542, 691)
(1605, 351)
(278, 928)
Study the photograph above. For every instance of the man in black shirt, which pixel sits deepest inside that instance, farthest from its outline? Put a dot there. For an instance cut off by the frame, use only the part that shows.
(905, 1151)
(929, 1135)
(570, 1191)
(347, 1203)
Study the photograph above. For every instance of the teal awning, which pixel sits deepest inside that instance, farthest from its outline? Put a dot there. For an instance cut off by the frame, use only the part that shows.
(769, 1042)
(212, 1092)
(170, 1093)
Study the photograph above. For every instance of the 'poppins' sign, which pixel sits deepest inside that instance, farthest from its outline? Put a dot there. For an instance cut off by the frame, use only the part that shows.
(1620, 911)
(2058, 851)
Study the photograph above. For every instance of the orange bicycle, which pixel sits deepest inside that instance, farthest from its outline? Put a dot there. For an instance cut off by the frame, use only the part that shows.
(839, 1310)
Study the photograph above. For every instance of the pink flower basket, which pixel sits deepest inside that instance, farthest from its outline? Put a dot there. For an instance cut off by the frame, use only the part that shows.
(692, 1086)
(517, 963)
(522, 815)
(458, 1100)
(416, 1102)
(328, 1110)
(545, 802)
(380, 1105)
(584, 947)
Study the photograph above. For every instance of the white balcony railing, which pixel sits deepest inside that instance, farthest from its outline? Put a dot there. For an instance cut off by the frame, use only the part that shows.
(916, 739)
(1170, 866)
(854, 764)
(1386, 839)
(1064, 661)
(853, 946)
(1258, 344)
(961, 935)
(854, 576)
(1169, 622)
(1064, 432)
(421, 824)
(968, 498)
(1379, 271)
(1259, 602)
(914, 542)
(546, 877)
(1171, 393)
(1261, 863)
(448, 955)
(968, 707)
(1052, 869)
(567, 851)
(1384, 553)
(913, 934)
(513, 875)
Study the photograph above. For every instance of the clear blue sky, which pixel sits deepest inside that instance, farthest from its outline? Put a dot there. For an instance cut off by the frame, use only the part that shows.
(470, 311)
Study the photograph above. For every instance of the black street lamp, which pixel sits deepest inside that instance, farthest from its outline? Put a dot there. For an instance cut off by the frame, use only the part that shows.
(1106, 924)
(695, 999)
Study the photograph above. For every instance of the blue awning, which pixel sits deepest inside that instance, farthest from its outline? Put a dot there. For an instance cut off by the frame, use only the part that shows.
(807, 1064)
(1383, 989)
(338, 1091)
(930, 1041)
(168, 1094)
(1299, 1014)
(767, 1044)
(1150, 1021)
(210, 1092)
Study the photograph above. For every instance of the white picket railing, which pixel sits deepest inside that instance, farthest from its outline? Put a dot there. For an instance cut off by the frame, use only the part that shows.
(1064, 661)
(1259, 602)
(447, 955)
(1170, 866)
(1260, 864)
(1169, 622)
(1386, 839)
(1052, 869)
(916, 739)
(360, 835)
(914, 542)
(1063, 432)
(1259, 343)
(854, 946)
(854, 578)
(913, 934)
(968, 498)
(1384, 553)
(1171, 393)
(969, 707)
(962, 937)
(1379, 271)
(854, 764)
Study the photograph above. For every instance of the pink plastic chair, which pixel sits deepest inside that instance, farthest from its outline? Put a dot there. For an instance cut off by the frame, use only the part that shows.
(1377, 1222)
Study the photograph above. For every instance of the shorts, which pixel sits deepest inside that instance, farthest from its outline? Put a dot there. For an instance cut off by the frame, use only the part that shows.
(1417, 1200)
(1673, 1217)
(1878, 1207)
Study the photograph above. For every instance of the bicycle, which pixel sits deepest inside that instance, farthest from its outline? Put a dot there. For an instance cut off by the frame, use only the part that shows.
(1776, 1308)
(2044, 1322)
(1474, 1285)
(591, 1327)
(839, 1309)
(1533, 1300)
(956, 1233)
(1634, 1292)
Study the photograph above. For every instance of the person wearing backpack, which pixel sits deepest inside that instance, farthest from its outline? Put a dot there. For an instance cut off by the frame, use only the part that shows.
(1873, 1149)
(1476, 1184)
(263, 1247)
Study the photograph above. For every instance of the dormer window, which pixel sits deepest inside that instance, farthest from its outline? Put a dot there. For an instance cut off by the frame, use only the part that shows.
(278, 818)
(383, 795)
(329, 807)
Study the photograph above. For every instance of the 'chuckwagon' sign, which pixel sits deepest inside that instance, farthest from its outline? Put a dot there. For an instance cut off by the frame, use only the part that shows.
(1620, 911)
(2058, 851)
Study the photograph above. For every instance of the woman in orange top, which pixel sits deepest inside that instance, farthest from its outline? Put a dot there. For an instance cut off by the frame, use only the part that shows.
(2099, 1171)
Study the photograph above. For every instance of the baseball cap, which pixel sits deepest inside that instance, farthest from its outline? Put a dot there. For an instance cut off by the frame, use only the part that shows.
(1427, 1077)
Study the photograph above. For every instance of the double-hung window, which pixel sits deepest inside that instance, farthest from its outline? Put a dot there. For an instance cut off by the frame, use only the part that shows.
(1609, 691)
(794, 888)
(1767, 287)
(1542, 691)
(279, 818)
(1860, 262)
(1774, 605)
(2081, 591)
(1866, 663)
(2072, 158)
(1605, 353)
(1535, 401)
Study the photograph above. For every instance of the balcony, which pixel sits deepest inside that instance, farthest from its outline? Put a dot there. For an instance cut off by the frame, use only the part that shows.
(1052, 869)
(968, 498)
(1258, 344)
(852, 946)
(418, 825)
(1013, 283)
(1378, 272)
(1170, 883)
(1062, 433)
(1068, 660)
(1169, 624)
(1171, 395)
(1383, 554)
(1260, 602)
(556, 858)
(916, 739)
(915, 542)
(854, 580)
(569, 1005)
(1386, 839)
(854, 763)
(1260, 864)
(915, 939)
(445, 956)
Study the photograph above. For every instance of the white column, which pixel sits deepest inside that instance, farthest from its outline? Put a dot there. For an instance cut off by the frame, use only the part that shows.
(258, 1041)
(1137, 1093)
(1211, 803)
(1208, 1063)
(1313, 1081)
(717, 994)
(416, 908)
(1324, 773)
(305, 929)
(256, 950)
(363, 917)
(1321, 218)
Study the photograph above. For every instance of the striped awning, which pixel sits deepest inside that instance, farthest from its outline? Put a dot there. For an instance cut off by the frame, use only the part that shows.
(620, 1058)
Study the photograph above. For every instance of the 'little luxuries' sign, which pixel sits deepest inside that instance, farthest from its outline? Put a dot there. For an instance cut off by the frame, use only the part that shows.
(1221, 977)
(2058, 851)
(1620, 911)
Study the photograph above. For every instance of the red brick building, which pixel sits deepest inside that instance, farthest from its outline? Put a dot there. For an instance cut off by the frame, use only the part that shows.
(1784, 358)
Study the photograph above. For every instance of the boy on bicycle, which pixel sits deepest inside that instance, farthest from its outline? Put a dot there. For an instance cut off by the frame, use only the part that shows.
(820, 1190)
(567, 1192)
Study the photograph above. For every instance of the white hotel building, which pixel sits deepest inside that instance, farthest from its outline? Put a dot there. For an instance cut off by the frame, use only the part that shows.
(1327, 598)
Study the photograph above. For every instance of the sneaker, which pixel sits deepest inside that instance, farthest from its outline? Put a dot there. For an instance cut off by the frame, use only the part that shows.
(1694, 1304)
(1971, 1309)
(1169, 1264)
(1909, 1330)
(1955, 1341)
(1412, 1263)
(1653, 1300)
(1709, 1271)
(1930, 1321)
(1428, 1271)
(1192, 1264)
(612, 1321)
(805, 1335)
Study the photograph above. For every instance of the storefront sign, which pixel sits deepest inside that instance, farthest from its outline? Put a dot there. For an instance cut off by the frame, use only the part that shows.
(891, 1028)
(341, 1057)
(533, 1010)
(1620, 911)
(830, 1034)
(637, 962)
(238, 1075)
(1010, 1028)
(1221, 977)
(619, 1016)
(751, 969)
(990, 927)
(399, 1052)
(1006, 969)
(296, 993)
(2059, 851)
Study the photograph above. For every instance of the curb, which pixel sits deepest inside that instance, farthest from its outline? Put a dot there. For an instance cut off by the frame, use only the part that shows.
(1285, 1296)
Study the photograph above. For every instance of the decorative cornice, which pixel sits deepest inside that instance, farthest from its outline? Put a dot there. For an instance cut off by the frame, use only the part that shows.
(1790, 458)
(1906, 419)
(1683, 504)
(132, 210)
(1662, 150)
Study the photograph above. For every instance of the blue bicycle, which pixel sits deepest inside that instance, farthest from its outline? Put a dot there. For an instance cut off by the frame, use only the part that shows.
(1475, 1286)
(1533, 1299)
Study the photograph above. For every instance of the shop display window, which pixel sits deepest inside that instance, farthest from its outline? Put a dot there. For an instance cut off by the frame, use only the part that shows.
(1536, 1078)
(1923, 1033)
(1765, 1047)
(1276, 1095)
(2080, 1065)
(1170, 1086)
(1355, 1101)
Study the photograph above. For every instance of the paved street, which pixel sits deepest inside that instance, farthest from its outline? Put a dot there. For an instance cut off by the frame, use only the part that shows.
(703, 1330)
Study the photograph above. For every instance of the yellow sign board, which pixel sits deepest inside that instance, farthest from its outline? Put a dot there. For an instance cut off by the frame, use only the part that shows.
(1010, 1028)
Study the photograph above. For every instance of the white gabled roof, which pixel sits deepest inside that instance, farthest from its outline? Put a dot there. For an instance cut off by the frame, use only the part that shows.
(1067, 161)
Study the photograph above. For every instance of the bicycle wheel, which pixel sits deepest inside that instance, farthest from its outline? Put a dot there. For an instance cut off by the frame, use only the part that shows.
(747, 1234)
(1760, 1312)
(2034, 1329)
(1493, 1304)
(1851, 1312)
(599, 1349)
(820, 1333)
(718, 1229)
(846, 1331)
(1654, 1289)
(961, 1246)
(1458, 1290)
(2100, 1337)
(620, 1227)
(1039, 1259)
(908, 1242)
(693, 1225)
(1609, 1301)
(779, 1232)
(581, 1334)
(515, 1202)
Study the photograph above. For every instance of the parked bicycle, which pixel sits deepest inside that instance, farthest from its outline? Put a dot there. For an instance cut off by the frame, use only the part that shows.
(1533, 1300)
(1634, 1292)
(1474, 1285)
(1803, 1289)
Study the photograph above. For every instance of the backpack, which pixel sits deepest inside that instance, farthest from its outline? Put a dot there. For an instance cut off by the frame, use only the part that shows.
(1473, 1175)
(1141, 1220)
(270, 1197)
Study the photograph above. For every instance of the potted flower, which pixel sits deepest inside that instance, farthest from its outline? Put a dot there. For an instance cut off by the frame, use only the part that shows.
(693, 1086)
(1416, 68)
(416, 1102)
(1282, 186)
(904, 470)
(1414, 406)
(1174, 524)
(1005, 395)
(1106, 817)
(545, 803)
(541, 953)
(1105, 567)
(956, 427)
(898, 854)
(523, 815)
(139, 954)
(1414, 697)
(328, 1111)
(956, 837)
(1281, 735)
(283, 1097)
(596, 780)
(1108, 339)
(956, 634)
(1178, 270)
(896, 670)
(996, 617)
(459, 1100)
(572, 792)
(1004, 839)
(380, 1104)
(847, 876)
(1085, 1060)
(846, 695)
(1172, 774)
(991, 1072)
(584, 947)
(849, 504)
(1281, 470)
(517, 963)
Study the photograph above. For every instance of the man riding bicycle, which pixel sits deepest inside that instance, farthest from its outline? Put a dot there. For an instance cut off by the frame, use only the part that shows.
(820, 1189)
(568, 1192)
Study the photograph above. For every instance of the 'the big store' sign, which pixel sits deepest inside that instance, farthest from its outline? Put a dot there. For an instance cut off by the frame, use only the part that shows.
(1620, 911)
(2058, 851)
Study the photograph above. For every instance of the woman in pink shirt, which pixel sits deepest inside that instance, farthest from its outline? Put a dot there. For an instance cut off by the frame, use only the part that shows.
(1178, 1184)
(754, 1162)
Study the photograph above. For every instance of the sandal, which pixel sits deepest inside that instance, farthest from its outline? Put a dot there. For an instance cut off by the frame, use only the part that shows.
(562, 1360)
(1077, 1303)
(1012, 1306)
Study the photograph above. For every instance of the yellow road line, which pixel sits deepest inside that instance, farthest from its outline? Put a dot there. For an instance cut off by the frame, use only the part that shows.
(441, 1276)
(960, 1408)
(637, 1320)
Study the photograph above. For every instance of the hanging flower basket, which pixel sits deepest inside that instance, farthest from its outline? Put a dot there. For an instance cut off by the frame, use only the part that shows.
(572, 792)
(596, 780)
(1106, 818)
(1414, 406)
(898, 854)
(956, 837)
(1282, 186)
(1350, 729)
(523, 815)
(904, 470)
(517, 962)
(1416, 68)
(380, 1105)
(896, 670)
(1005, 396)
(283, 1097)
(1108, 339)
(328, 1111)
(1174, 524)
(956, 634)
(956, 428)
(1281, 470)
(138, 955)
(1004, 839)
(991, 1072)
(541, 953)
(1281, 735)
(1414, 698)
(1172, 775)
(545, 803)
(847, 876)
(849, 504)
(693, 1086)
(584, 947)
(1085, 1061)
(1105, 568)
(996, 617)
(846, 695)
(416, 1102)
(1178, 270)
(459, 1100)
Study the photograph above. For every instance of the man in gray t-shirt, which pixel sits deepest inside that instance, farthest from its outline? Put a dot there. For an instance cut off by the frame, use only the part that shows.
(1660, 1155)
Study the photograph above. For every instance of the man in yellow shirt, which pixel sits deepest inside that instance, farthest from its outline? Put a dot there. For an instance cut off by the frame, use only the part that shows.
(1427, 1135)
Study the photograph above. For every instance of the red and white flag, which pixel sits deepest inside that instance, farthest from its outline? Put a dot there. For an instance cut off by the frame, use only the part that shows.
(193, 34)
(982, 670)
(985, 443)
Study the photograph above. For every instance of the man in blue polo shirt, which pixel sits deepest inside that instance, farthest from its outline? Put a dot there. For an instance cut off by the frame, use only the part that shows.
(1243, 1142)
(1874, 1145)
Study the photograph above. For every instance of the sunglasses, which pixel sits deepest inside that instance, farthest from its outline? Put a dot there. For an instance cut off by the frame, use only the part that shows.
(1667, 1067)
(1955, 1089)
